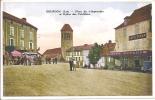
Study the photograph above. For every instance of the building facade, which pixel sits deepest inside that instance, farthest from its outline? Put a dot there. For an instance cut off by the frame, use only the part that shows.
(18, 33)
(66, 39)
(134, 39)
(79, 53)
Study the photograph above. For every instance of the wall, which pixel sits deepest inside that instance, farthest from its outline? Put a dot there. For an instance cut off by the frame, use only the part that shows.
(66, 43)
(85, 54)
(122, 40)
(75, 54)
(17, 27)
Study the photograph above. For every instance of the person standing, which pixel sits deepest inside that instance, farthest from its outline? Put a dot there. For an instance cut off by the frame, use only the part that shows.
(71, 64)
(74, 65)
(25, 60)
(46, 60)
(55, 60)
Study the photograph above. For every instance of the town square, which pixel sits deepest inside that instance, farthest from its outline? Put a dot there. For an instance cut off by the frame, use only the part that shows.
(58, 80)
(53, 51)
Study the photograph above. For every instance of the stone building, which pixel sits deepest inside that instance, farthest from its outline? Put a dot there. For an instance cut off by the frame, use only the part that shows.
(134, 39)
(66, 39)
(79, 53)
(18, 33)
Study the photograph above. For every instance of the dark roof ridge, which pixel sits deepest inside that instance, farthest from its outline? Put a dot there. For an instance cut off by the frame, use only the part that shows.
(138, 15)
(19, 20)
(66, 27)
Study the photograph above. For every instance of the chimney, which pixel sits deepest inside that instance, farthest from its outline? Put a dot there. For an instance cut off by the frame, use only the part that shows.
(110, 41)
(126, 20)
(24, 19)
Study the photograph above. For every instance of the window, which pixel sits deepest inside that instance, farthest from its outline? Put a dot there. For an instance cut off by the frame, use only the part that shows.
(66, 36)
(22, 44)
(148, 58)
(77, 53)
(21, 34)
(11, 31)
(30, 45)
(62, 36)
(31, 36)
(11, 42)
(74, 53)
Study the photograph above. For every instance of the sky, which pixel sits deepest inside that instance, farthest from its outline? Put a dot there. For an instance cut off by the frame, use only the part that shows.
(87, 29)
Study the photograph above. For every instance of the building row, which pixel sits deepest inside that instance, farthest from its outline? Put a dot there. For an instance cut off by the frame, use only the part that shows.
(132, 47)
(80, 54)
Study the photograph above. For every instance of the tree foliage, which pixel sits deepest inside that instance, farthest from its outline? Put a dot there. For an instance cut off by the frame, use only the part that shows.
(94, 53)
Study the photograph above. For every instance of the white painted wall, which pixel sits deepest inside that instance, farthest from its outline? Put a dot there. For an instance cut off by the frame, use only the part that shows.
(85, 57)
(101, 62)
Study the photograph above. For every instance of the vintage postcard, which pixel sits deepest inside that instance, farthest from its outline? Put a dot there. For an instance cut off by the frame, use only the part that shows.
(76, 49)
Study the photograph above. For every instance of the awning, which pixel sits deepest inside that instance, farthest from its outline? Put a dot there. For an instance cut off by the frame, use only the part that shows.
(16, 53)
(131, 53)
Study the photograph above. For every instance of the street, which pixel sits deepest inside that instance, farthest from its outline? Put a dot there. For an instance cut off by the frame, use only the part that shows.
(57, 80)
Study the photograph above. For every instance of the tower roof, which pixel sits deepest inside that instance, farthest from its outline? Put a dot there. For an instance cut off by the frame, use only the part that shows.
(66, 27)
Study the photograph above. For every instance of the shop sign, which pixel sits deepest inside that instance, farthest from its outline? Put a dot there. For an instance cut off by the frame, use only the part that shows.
(137, 36)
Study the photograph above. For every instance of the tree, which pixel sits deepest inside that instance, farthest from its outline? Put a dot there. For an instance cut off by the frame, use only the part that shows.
(9, 48)
(94, 54)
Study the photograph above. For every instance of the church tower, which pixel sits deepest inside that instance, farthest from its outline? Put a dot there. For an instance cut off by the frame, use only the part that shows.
(66, 39)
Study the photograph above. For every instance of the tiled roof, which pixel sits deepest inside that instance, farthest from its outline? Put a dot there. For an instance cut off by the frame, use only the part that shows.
(141, 14)
(52, 53)
(18, 20)
(67, 27)
(82, 47)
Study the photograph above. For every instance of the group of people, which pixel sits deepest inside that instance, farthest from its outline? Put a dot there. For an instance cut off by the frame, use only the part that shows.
(55, 60)
(31, 60)
(72, 64)
(26, 60)
(48, 60)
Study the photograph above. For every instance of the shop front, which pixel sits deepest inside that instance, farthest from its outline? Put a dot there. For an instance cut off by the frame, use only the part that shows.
(132, 60)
